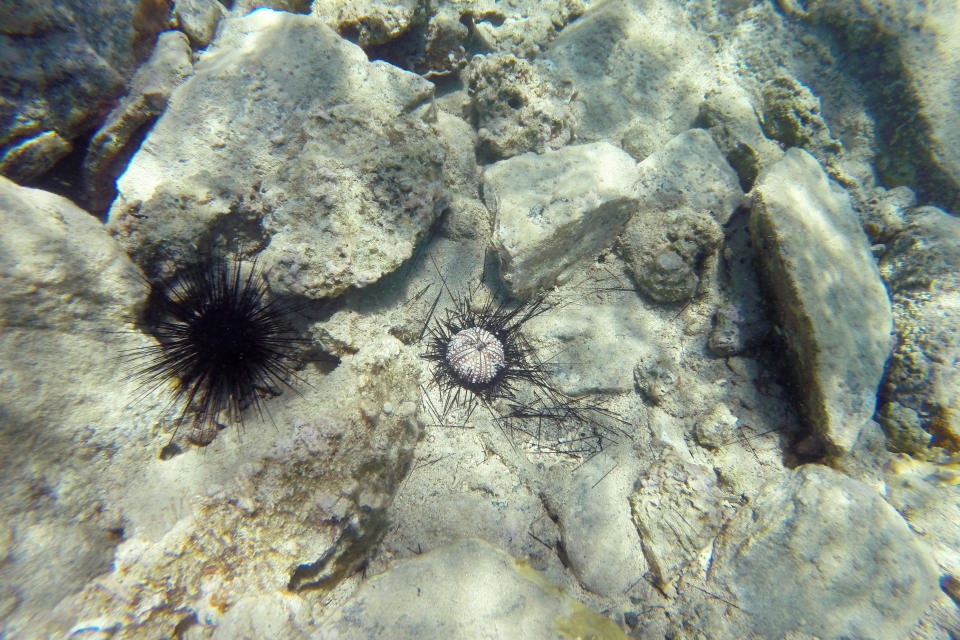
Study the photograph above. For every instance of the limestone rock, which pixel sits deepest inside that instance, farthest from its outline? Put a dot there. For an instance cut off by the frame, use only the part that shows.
(198, 19)
(918, 132)
(920, 407)
(715, 429)
(831, 304)
(516, 107)
(666, 251)
(454, 591)
(928, 497)
(821, 554)
(553, 209)
(677, 509)
(313, 153)
(689, 171)
(593, 512)
(65, 291)
(32, 157)
(883, 216)
(524, 27)
(64, 62)
(640, 68)
(150, 88)
(730, 117)
(791, 116)
(369, 22)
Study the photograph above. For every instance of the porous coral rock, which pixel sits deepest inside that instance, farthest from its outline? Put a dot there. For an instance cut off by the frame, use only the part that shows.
(666, 252)
(516, 107)
(920, 397)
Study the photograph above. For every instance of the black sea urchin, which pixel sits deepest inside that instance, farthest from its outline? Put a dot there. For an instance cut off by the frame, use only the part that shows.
(221, 345)
(479, 355)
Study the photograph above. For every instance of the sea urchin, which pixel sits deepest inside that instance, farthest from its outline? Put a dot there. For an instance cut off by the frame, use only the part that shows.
(221, 345)
(480, 356)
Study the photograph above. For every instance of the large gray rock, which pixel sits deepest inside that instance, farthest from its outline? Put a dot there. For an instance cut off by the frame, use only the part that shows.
(830, 301)
(821, 554)
(65, 289)
(312, 152)
(920, 408)
(459, 591)
(553, 209)
(640, 68)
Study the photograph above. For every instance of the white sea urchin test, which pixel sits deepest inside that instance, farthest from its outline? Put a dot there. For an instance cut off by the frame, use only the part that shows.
(475, 355)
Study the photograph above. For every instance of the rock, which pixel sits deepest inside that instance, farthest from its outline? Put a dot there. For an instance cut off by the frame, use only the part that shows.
(715, 429)
(516, 107)
(928, 497)
(524, 28)
(32, 157)
(592, 510)
(689, 171)
(821, 554)
(273, 616)
(921, 391)
(883, 218)
(730, 117)
(198, 19)
(369, 22)
(677, 509)
(456, 590)
(553, 209)
(917, 130)
(656, 378)
(640, 69)
(791, 116)
(259, 517)
(831, 304)
(666, 251)
(150, 88)
(64, 63)
(726, 337)
(301, 157)
(65, 290)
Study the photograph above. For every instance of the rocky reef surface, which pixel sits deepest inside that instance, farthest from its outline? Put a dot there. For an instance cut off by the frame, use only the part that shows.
(738, 220)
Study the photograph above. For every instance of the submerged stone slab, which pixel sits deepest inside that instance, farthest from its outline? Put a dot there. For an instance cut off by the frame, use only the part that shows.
(553, 209)
(465, 590)
(312, 152)
(821, 554)
(830, 301)
(689, 171)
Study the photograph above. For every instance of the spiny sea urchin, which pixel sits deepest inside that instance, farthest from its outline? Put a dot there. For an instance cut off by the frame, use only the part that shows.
(480, 356)
(221, 344)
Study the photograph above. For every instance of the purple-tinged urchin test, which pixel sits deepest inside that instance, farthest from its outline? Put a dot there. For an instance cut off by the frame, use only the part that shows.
(222, 346)
(480, 356)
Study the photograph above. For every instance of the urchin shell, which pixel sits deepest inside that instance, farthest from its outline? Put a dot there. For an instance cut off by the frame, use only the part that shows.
(475, 356)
